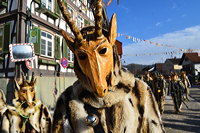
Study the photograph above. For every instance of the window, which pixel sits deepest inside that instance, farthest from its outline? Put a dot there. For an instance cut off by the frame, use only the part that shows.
(80, 23)
(71, 11)
(46, 44)
(72, 14)
(47, 4)
(1, 38)
(70, 55)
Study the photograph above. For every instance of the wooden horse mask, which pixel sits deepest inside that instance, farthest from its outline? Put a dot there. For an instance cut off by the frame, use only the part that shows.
(93, 50)
(26, 90)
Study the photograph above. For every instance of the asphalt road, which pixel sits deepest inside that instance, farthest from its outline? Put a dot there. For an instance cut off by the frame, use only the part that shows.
(187, 121)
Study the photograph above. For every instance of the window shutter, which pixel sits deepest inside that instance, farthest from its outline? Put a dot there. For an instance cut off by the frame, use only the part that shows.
(7, 37)
(35, 38)
(64, 48)
(57, 9)
(57, 47)
(1, 43)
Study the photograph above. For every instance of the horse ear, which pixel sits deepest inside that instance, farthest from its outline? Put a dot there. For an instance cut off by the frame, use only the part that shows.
(69, 40)
(112, 30)
(34, 83)
(17, 85)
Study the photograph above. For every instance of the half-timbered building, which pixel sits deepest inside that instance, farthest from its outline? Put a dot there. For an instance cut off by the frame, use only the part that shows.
(38, 22)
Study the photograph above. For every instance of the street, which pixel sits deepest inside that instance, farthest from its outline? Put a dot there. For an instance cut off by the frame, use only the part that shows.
(187, 121)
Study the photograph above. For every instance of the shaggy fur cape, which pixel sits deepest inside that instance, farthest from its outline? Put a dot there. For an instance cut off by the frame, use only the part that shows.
(129, 108)
(15, 120)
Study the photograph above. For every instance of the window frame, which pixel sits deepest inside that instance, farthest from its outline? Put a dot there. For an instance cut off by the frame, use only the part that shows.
(70, 55)
(80, 21)
(71, 11)
(46, 44)
(1, 45)
(46, 4)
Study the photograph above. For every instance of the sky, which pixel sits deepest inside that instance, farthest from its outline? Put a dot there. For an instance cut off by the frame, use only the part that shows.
(172, 26)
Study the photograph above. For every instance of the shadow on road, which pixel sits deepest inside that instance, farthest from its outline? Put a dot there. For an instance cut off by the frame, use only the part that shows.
(187, 121)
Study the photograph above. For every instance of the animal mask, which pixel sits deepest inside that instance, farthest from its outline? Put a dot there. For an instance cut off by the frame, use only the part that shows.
(93, 50)
(26, 90)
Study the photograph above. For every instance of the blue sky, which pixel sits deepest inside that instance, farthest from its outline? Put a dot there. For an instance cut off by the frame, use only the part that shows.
(169, 22)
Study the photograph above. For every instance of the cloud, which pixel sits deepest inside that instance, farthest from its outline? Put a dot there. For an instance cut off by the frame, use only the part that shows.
(124, 8)
(174, 5)
(183, 15)
(158, 23)
(188, 38)
(168, 20)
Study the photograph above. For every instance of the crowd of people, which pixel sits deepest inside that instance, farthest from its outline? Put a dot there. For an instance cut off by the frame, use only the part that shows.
(175, 85)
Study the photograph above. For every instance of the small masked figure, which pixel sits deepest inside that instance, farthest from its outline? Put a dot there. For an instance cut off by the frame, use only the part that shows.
(148, 79)
(177, 90)
(3, 106)
(159, 85)
(27, 115)
(186, 83)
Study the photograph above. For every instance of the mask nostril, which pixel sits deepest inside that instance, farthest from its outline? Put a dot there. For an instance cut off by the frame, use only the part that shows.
(104, 91)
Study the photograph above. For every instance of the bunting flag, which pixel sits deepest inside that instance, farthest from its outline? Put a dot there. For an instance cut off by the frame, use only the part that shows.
(163, 53)
(137, 40)
(108, 3)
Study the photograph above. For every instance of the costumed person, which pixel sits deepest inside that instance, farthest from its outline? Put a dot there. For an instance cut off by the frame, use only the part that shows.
(148, 80)
(27, 115)
(105, 98)
(177, 90)
(186, 83)
(159, 86)
(168, 83)
(3, 105)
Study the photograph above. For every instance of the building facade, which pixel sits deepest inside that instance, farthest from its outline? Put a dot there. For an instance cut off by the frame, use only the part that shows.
(191, 64)
(38, 22)
(171, 65)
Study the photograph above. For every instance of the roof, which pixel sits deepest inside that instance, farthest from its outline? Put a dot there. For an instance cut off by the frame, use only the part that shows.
(193, 57)
(174, 61)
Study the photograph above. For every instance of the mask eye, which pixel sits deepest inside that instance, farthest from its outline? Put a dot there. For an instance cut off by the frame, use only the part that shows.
(23, 91)
(103, 51)
(32, 89)
(82, 56)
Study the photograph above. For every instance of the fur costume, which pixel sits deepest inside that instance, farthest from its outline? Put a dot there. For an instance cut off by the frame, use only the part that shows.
(130, 108)
(26, 119)
(27, 114)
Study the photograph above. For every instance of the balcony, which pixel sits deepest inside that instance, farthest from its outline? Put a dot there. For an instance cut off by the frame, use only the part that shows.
(49, 13)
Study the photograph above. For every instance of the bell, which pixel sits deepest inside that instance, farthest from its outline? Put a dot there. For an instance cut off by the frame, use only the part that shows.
(92, 120)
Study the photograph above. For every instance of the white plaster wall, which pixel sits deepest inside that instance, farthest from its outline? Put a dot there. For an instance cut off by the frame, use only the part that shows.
(44, 67)
(197, 68)
(62, 24)
(51, 68)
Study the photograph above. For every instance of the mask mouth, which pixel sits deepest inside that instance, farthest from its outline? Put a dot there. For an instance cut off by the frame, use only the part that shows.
(30, 103)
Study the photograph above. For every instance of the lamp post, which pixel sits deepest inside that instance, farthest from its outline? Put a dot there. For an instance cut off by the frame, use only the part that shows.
(29, 27)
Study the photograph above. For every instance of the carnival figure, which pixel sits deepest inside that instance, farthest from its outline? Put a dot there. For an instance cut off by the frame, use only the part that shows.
(27, 115)
(177, 90)
(148, 79)
(159, 86)
(3, 105)
(105, 98)
(168, 84)
(186, 83)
